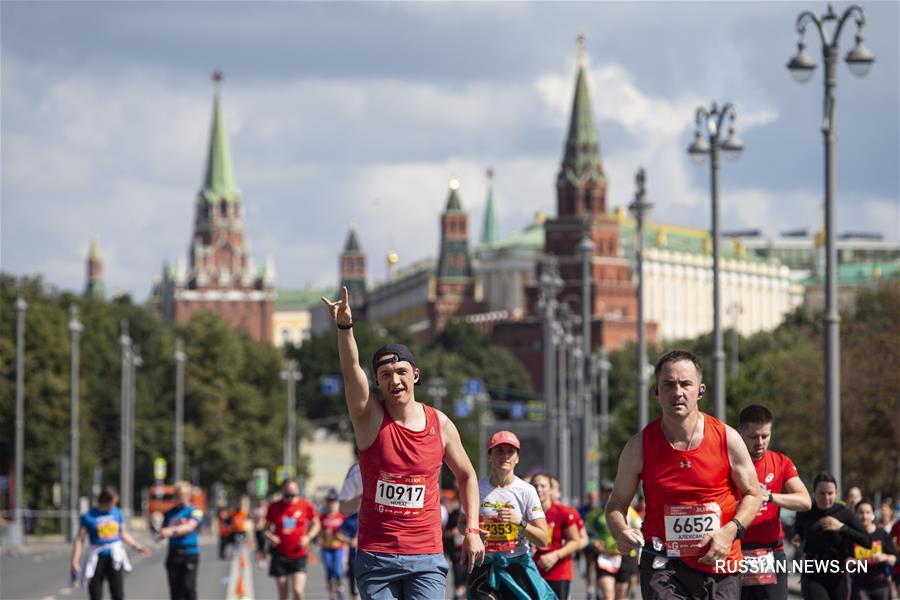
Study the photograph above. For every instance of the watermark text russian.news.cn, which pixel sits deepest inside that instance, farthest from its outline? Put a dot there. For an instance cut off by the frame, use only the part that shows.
(807, 566)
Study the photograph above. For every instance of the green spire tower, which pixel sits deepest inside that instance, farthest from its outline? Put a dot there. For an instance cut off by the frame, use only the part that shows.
(353, 269)
(581, 183)
(489, 228)
(453, 264)
(218, 184)
(95, 287)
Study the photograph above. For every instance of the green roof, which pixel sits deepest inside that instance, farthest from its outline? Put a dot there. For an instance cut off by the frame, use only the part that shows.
(352, 245)
(582, 155)
(219, 181)
(861, 273)
(530, 237)
(304, 299)
(680, 239)
(453, 203)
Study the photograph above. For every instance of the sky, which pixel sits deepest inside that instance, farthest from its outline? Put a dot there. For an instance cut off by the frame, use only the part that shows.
(361, 113)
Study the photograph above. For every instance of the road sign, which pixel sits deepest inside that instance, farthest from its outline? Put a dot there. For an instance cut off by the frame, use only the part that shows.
(473, 387)
(159, 468)
(260, 482)
(517, 411)
(535, 410)
(331, 385)
(462, 408)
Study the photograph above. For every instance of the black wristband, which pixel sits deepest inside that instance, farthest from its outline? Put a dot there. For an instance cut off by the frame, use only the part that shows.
(741, 530)
(347, 326)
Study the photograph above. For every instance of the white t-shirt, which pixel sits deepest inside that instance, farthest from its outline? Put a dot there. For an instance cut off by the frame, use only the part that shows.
(352, 487)
(507, 537)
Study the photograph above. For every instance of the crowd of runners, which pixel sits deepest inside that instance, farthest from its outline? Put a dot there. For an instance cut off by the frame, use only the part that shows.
(694, 511)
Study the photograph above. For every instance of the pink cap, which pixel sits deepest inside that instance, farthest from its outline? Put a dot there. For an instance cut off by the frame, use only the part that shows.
(504, 437)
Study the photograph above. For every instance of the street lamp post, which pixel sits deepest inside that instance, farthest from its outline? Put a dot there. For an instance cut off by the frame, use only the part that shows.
(577, 397)
(639, 209)
(292, 375)
(550, 284)
(124, 429)
(586, 252)
(75, 329)
(801, 66)
(603, 367)
(564, 336)
(731, 147)
(19, 532)
(180, 357)
(136, 361)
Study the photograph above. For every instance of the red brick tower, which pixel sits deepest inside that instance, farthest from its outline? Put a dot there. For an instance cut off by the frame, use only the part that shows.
(221, 276)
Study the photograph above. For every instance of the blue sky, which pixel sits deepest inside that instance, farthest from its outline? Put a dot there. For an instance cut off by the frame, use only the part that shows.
(360, 113)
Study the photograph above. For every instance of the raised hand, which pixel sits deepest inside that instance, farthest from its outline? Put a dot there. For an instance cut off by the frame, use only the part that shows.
(340, 310)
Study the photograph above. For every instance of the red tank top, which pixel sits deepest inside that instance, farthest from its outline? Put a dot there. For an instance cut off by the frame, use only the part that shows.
(773, 471)
(400, 511)
(689, 492)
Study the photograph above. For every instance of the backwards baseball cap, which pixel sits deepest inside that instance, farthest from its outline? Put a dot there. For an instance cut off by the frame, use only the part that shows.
(504, 437)
(332, 495)
(391, 353)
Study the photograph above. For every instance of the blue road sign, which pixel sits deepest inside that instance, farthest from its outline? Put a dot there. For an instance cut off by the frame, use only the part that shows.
(473, 387)
(331, 385)
(517, 411)
(461, 408)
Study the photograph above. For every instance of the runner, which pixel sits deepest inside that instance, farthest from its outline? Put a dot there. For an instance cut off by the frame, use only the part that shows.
(554, 561)
(180, 528)
(453, 545)
(332, 547)
(347, 533)
(828, 531)
(853, 496)
(874, 582)
(291, 523)
(349, 499)
(402, 446)
(226, 539)
(614, 571)
(695, 465)
(895, 537)
(589, 552)
(782, 488)
(258, 519)
(512, 520)
(106, 559)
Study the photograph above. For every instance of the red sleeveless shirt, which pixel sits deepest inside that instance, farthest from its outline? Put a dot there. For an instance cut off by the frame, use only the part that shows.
(400, 511)
(689, 492)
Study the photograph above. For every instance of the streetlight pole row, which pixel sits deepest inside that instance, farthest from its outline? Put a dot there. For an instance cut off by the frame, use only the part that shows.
(801, 66)
(714, 120)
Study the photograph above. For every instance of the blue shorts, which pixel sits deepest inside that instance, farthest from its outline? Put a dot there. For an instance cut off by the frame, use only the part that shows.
(383, 576)
(333, 559)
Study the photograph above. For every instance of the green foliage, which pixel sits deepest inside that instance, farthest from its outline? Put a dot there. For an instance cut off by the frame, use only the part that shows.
(234, 397)
(783, 369)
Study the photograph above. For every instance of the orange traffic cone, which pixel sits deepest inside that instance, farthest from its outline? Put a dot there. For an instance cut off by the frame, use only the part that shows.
(242, 563)
(239, 590)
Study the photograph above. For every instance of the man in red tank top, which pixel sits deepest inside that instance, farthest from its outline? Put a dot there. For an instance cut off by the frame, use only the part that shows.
(693, 468)
(781, 488)
(402, 445)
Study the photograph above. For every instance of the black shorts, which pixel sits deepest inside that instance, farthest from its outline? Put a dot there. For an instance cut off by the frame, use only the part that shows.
(677, 581)
(282, 566)
(628, 569)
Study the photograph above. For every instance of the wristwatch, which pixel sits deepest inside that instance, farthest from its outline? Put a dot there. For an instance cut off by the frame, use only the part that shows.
(524, 523)
(741, 530)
